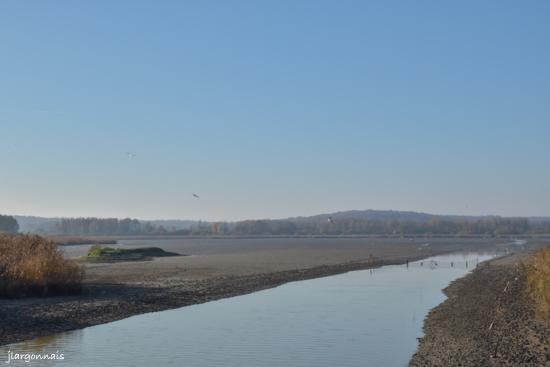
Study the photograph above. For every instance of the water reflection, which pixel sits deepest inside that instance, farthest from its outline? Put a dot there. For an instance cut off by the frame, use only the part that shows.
(38, 345)
(370, 317)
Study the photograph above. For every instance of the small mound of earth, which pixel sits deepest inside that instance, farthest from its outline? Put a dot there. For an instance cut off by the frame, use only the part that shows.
(133, 254)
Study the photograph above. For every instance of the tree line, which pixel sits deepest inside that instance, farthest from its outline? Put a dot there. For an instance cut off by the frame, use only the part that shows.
(490, 226)
(105, 226)
(493, 226)
(8, 224)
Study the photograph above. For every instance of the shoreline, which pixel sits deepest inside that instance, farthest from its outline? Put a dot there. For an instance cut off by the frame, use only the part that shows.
(486, 320)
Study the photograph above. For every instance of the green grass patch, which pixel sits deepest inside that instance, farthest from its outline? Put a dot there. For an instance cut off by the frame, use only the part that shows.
(102, 253)
(97, 251)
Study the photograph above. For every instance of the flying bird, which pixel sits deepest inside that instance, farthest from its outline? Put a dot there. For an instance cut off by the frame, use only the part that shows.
(130, 155)
(330, 220)
(196, 196)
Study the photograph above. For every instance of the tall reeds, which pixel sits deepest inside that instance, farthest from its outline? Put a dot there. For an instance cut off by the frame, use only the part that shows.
(34, 266)
(538, 279)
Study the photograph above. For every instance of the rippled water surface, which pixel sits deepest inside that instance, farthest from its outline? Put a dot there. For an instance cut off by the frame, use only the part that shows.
(361, 318)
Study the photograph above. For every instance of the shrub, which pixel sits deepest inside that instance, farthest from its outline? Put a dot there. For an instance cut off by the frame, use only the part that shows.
(538, 279)
(95, 251)
(8, 224)
(34, 266)
(99, 251)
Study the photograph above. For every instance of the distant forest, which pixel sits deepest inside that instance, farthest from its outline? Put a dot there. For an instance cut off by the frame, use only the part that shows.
(8, 224)
(367, 222)
(105, 226)
(493, 226)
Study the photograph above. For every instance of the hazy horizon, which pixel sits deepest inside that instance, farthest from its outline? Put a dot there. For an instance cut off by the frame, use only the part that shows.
(275, 218)
(272, 110)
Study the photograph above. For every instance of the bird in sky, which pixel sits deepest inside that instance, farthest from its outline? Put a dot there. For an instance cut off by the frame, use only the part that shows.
(330, 220)
(196, 196)
(130, 155)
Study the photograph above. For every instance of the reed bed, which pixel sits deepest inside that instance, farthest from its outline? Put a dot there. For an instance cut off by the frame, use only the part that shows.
(538, 279)
(34, 266)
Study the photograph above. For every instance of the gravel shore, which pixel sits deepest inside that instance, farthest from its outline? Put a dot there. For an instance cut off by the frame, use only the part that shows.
(487, 320)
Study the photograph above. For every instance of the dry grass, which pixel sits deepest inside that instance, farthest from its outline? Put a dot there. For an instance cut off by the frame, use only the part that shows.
(538, 279)
(34, 266)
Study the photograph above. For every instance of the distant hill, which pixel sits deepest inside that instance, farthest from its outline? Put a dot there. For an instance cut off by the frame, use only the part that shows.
(378, 215)
(391, 215)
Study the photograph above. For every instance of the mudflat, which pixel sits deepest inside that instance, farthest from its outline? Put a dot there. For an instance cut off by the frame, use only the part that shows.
(214, 268)
(209, 258)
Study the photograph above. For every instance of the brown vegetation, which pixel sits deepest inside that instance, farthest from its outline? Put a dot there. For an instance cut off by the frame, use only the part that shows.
(34, 266)
(538, 279)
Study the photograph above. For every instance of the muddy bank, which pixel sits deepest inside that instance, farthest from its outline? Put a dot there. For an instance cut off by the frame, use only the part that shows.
(488, 320)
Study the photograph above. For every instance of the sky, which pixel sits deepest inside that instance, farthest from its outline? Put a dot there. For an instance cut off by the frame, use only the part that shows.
(270, 109)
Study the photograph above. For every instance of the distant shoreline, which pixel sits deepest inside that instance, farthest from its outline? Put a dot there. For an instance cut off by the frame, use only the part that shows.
(107, 239)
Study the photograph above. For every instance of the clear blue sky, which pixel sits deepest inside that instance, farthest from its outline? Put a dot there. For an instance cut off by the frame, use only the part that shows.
(274, 108)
